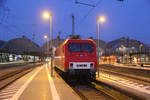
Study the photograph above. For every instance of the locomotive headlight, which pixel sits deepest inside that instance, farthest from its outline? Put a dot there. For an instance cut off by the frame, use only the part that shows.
(71, 65)
(91, 65)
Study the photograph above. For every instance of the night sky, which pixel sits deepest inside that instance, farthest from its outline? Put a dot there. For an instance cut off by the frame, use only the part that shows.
(130, 18)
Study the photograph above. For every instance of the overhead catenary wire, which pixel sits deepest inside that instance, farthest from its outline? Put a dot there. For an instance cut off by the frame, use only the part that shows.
(86, 4)
(85, 16)
(4, 10)
(9, 29)
(88, 13)
(5, 13)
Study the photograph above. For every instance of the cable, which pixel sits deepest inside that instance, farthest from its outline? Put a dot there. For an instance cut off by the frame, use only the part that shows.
(84, 17)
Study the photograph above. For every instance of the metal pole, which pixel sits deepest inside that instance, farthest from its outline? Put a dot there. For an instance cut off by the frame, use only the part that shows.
(109, 56)
(51, 46)
(73, 25)
(98, 39)
(47, 50)
(98, 43)
(140, 54)
(123, 57)
(47, 46)
(145, 58)
(51, 30)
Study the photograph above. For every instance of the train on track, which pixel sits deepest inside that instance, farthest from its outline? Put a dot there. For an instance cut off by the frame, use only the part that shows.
(77, 58)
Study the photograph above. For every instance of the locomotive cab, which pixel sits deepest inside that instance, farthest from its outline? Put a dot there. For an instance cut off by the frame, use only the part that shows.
(81, 58)
(77, 58)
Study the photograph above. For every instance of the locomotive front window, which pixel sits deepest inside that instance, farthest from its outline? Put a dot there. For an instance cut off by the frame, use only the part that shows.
(74, 47)
(80, 47)
(86, 47)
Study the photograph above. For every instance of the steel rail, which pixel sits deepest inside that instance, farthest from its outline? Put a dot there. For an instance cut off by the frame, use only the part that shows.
(11, 77)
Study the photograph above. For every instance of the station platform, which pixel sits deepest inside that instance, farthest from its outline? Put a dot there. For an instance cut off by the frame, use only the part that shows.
(140, 90)
(39, 85)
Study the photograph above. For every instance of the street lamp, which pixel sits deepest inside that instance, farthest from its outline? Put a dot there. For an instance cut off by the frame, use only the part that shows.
(46, 37)
(99, 20)
(140, 48)
(47, 15)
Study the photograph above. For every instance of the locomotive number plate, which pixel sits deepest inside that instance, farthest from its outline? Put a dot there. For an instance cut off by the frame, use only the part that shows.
(81, 65)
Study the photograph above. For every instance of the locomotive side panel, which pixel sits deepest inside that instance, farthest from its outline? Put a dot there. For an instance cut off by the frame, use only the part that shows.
(60, 57)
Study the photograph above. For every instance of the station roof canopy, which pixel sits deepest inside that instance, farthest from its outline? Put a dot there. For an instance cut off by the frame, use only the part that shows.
(21, 45)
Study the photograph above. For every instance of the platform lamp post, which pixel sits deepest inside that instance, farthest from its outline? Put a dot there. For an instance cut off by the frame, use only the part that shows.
(47, 44)
(140, 48)
(47, 15)
(99, 20)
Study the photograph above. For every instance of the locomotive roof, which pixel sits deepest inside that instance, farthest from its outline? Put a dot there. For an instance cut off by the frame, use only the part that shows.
(67, 40)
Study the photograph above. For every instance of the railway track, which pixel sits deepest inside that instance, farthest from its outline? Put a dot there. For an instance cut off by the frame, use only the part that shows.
(146, 80)
(100, 91)
(142, 73)
(6, 66)
(90, 92)
(132, 86)
(95, 90)
(11, 76)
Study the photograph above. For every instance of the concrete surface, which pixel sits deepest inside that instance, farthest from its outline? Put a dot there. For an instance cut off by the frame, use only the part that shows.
(38, 85)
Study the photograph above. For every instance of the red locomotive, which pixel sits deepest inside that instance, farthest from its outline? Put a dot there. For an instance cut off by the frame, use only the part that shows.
(77, 57)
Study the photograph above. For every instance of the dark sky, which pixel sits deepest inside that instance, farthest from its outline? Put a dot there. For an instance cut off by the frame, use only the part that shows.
(129, 18)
